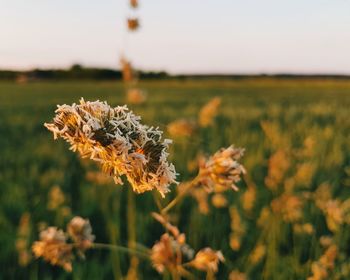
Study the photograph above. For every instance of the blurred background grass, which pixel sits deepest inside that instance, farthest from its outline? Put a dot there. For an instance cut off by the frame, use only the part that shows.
(32, 164)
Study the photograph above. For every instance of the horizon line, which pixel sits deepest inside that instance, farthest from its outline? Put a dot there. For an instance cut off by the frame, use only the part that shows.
(185, 73)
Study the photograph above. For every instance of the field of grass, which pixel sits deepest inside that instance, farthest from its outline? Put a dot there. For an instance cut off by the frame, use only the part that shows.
(296, 134)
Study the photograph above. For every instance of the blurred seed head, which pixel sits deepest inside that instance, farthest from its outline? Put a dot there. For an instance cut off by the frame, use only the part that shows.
(274, 135)
(219, 200)
(238, 229)
(325, 264)
(235, 241)
(257, 254)
(128, 73)
(306, 228)
(56, 198)
(248, 199)
(53, 248)
(278, 165)
(181, 128)
(136, 96)
(164, 254)
(208, 112)
(289, 206)
(237, 275)
(207, 260)
(326, 241)
(222, 169)
(133, 24)
(304, 174)
(334, 214)
(134, 3)
(80, 231)
(322, 195)
(264, 217)
(171, 250)
(22, 241)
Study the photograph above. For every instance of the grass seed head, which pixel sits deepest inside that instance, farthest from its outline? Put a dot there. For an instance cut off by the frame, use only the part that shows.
(116, 139)
(80, 231)
(136, 96)
(134, 3)
(53, 248)
(133, 24)
(207, 260)
(222, 169)
(208, 112)
(181, 128)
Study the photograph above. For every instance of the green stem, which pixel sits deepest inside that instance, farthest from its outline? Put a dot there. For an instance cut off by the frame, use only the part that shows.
(180, 195)
(120, 249)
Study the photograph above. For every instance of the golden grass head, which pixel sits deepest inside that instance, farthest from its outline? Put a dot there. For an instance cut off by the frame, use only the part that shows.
(238, 229)
(133, 24)
(334, 214)
(22, 241)
(278, 165)
(136, 96)
(326, 241)
(164, 254)
(306, 228)
(222, 169)
(116, 139)
(257, 254)
(128, 72)
(207, 260)
(248, 199)
(219, 200)
(53, 248)
(134, 3)
(169, 253)
(209, 112)
(181, 128)
(56, 198)
(322, 195)
(237, 275)
(235, 241)
(289, 206)
(80, 231)
(325, 264)
(264, 217)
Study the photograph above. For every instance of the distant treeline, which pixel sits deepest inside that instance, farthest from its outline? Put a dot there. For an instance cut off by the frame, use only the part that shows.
(78, 72)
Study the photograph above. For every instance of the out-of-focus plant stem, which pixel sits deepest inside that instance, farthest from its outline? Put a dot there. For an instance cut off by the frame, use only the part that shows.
(120, 249)
(132, 238)
(180, 195)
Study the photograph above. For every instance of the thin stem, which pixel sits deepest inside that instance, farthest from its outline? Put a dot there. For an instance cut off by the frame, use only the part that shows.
(180, 195)
(142, 247)
(156, 199)
(131, 217)
(120, 249)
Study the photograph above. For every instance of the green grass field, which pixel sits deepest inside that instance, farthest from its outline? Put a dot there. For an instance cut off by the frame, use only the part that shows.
(293, 113)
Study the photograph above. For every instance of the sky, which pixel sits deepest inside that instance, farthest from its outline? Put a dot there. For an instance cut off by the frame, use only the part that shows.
(179, 36)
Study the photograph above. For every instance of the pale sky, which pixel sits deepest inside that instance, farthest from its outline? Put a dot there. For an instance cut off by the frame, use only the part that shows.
(179, 36)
